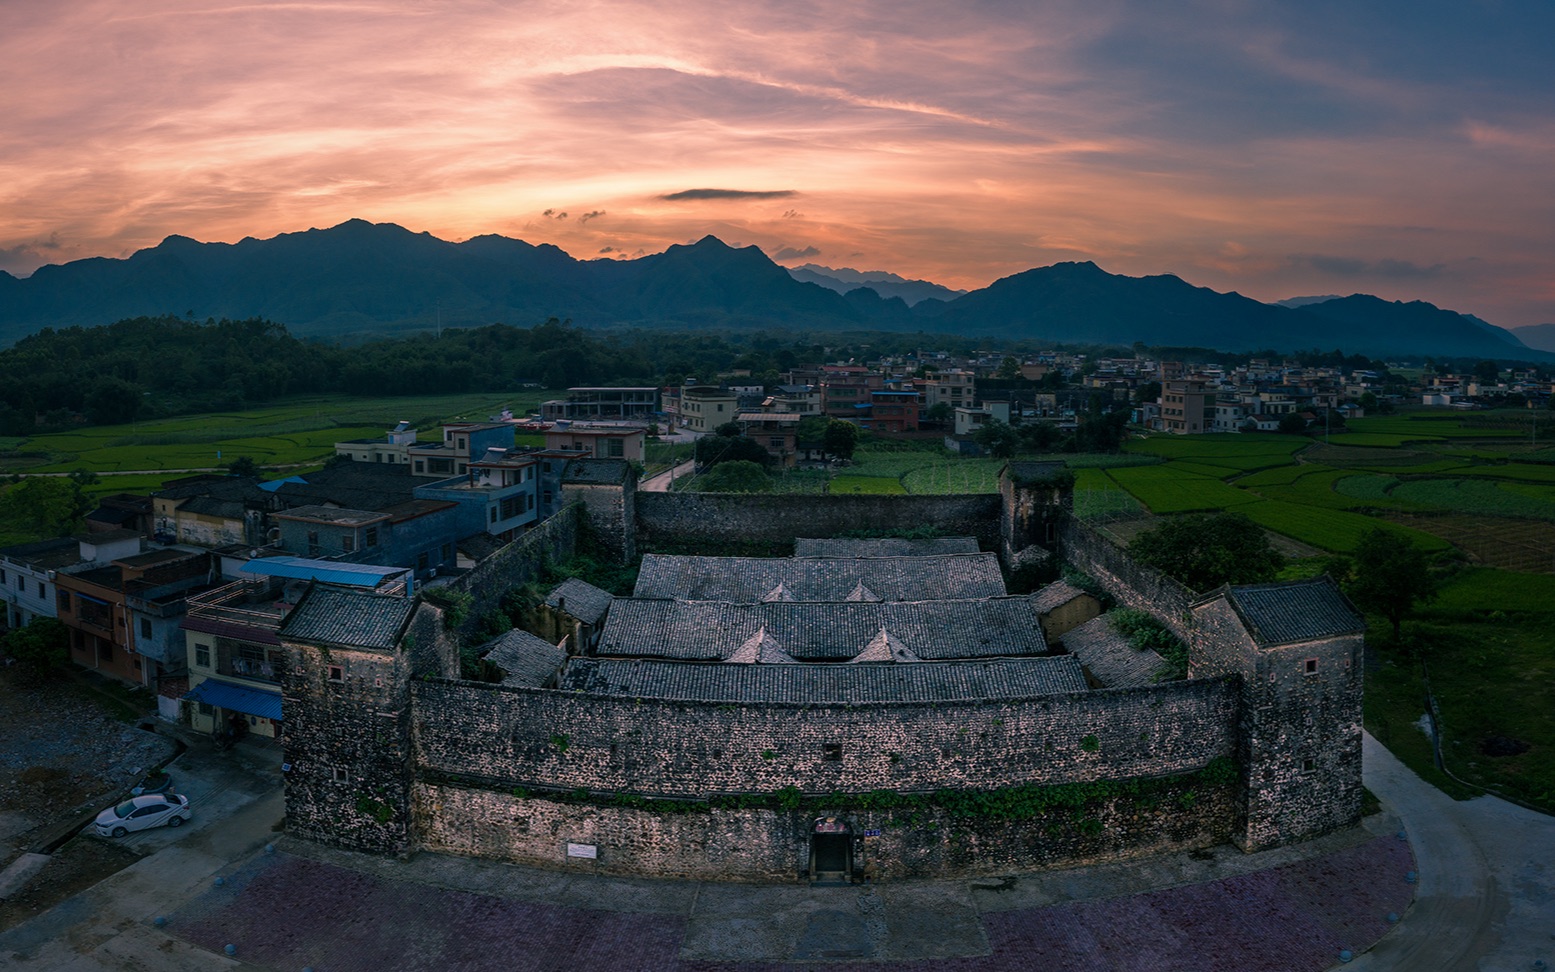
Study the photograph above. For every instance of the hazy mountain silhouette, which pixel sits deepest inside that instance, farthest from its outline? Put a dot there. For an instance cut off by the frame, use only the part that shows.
(362, 279)
(1541, 336)
(882, 282)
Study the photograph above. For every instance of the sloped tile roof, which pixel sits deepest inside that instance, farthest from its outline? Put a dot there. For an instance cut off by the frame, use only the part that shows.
(837, 631)
(750, 579)
(853, 684)
(348, 618)
(760, 649)
(524, 658)
(1279, 614)
(1055, 596)
(582, 600)
(1109, 657)
(884, 648)
(884, 547)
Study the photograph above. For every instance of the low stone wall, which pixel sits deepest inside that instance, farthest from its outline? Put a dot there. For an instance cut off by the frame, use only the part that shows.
(679, 519)
(506, 736)
(1134, 585)
(773, 845)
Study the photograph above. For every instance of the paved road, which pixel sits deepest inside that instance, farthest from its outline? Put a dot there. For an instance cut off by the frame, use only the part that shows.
(1487, 879)
(661, 483)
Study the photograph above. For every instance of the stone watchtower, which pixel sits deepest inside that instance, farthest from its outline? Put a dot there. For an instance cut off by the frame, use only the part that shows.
(1034, 498)
(1297, 647)
(345, 690)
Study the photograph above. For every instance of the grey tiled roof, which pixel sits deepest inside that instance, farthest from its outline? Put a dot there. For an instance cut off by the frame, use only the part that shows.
(583, 600)
(1054, 596)
(348, 618)
(749, 579)
(809, 631)
(1278, 614)
(1109, 657)
(886, 547)
(924, 682)
(45, 554)
(526, 659)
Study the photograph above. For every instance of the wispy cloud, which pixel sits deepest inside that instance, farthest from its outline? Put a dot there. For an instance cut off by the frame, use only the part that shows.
(698, 194)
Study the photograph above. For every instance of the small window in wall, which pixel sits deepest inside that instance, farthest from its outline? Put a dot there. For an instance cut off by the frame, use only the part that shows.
(206, 709)
(340, 775)
(1310, 666)
(347, 542)
(40, 588)
(372, 536)
(421, 563)
(420, 466)
(1309, 766)
(831, 752)
(145, 627)
(202, 656)
(337, 673)
(62, 600)
(448, 552)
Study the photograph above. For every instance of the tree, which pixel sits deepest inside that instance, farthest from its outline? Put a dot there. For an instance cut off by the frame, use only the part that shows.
(37, 648)
(243, 466)
(112, 401)
(50, 506)
(739, 476)
(1488, 372)
(728, 430)
(1147, 393)
(999, 438)
(711, 450)
(840, 439)
(940, 412)
(1205, 551)
(1390, 575)
(1292, 424)
(1008, 368)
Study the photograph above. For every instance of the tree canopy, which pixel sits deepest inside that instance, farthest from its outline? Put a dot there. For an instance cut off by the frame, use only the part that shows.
(1389, 575)
(1206, 551)
(738, 476)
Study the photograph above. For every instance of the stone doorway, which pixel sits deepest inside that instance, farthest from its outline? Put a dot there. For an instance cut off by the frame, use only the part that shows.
(831, 851)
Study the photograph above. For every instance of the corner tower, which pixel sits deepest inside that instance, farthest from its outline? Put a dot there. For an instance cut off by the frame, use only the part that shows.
(1297, 647)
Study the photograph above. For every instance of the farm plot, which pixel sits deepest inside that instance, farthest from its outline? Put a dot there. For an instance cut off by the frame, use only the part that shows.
(869, 485)
(1519, 472)
(1483, 589)
(1473, 496)
(1382, 439)
(1327, 529)
(1322, 489)
(1425, 426)
(1512, 545)
(1166, 490)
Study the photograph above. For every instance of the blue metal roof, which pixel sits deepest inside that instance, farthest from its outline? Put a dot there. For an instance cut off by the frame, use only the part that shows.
(329, 571)
(276, 484)
(236, 698)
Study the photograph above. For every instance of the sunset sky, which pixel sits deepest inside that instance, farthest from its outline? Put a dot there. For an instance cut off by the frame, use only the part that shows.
(1405, 149)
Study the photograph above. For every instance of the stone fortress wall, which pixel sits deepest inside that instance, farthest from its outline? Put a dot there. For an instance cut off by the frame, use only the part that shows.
(531, 775)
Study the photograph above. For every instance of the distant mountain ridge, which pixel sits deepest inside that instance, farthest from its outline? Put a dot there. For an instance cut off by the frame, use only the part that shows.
(882, 282)
(362, 279)
(1540, 336)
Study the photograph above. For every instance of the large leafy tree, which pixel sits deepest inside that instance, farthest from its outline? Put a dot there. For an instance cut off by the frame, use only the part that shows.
(733, 477)
(37, 648)
(999, 438)
(840, 439)
(1388, 574)
(47, 506)
(711, 450)
(1206, 551)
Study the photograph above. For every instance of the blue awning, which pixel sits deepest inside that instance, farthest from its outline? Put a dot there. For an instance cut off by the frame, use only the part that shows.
(236, 698)
(331, 571)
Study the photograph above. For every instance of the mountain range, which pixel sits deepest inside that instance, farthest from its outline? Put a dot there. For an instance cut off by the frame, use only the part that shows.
(360, 279)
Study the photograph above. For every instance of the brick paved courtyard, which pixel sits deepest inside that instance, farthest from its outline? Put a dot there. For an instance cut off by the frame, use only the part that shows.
(288, 912)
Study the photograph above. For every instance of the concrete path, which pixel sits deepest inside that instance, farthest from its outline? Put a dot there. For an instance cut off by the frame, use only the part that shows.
(662, 482)
(1487, 878)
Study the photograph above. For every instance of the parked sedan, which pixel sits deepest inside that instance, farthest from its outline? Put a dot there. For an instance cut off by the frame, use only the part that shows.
(143, 813)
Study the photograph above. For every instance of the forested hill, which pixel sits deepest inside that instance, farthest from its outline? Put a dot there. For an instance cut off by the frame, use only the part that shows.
(153, 366)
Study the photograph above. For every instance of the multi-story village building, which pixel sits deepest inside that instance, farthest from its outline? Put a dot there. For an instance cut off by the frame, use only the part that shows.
(598, 440)
(1187, 407)
(392, 447)
(228, 638)
(703, 408)
(589, 403)
(460, 441)
(777, 432)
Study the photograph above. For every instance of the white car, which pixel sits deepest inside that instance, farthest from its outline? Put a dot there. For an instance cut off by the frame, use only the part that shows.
(143, 813)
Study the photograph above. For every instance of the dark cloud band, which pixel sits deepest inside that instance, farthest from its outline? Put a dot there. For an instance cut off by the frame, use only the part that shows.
(728, 194)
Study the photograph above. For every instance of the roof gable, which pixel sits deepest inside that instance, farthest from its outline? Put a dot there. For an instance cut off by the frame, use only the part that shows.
(348, 618)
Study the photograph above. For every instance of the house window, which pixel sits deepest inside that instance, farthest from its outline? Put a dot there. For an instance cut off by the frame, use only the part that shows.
(62, 599)
(339, 775)
(421, 562)
(202, 656)
(348, 542)
(494, 511)
(313, 543)
(145, 627)
(1311, 666)
(206, 709)
(420, 466)
(337, 673)
(372, 536)
(2, 577)
(448, 552)
(40, 588)
(104, 650)
(1309, 766)
(831, 752)
(615, 448)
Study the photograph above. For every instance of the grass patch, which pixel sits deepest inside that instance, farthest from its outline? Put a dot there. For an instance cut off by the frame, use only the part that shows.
(1328, 529)
(1165, 489)
(1481, 591)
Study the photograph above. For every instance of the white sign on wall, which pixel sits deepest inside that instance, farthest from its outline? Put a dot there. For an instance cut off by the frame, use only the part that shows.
(589, 851)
